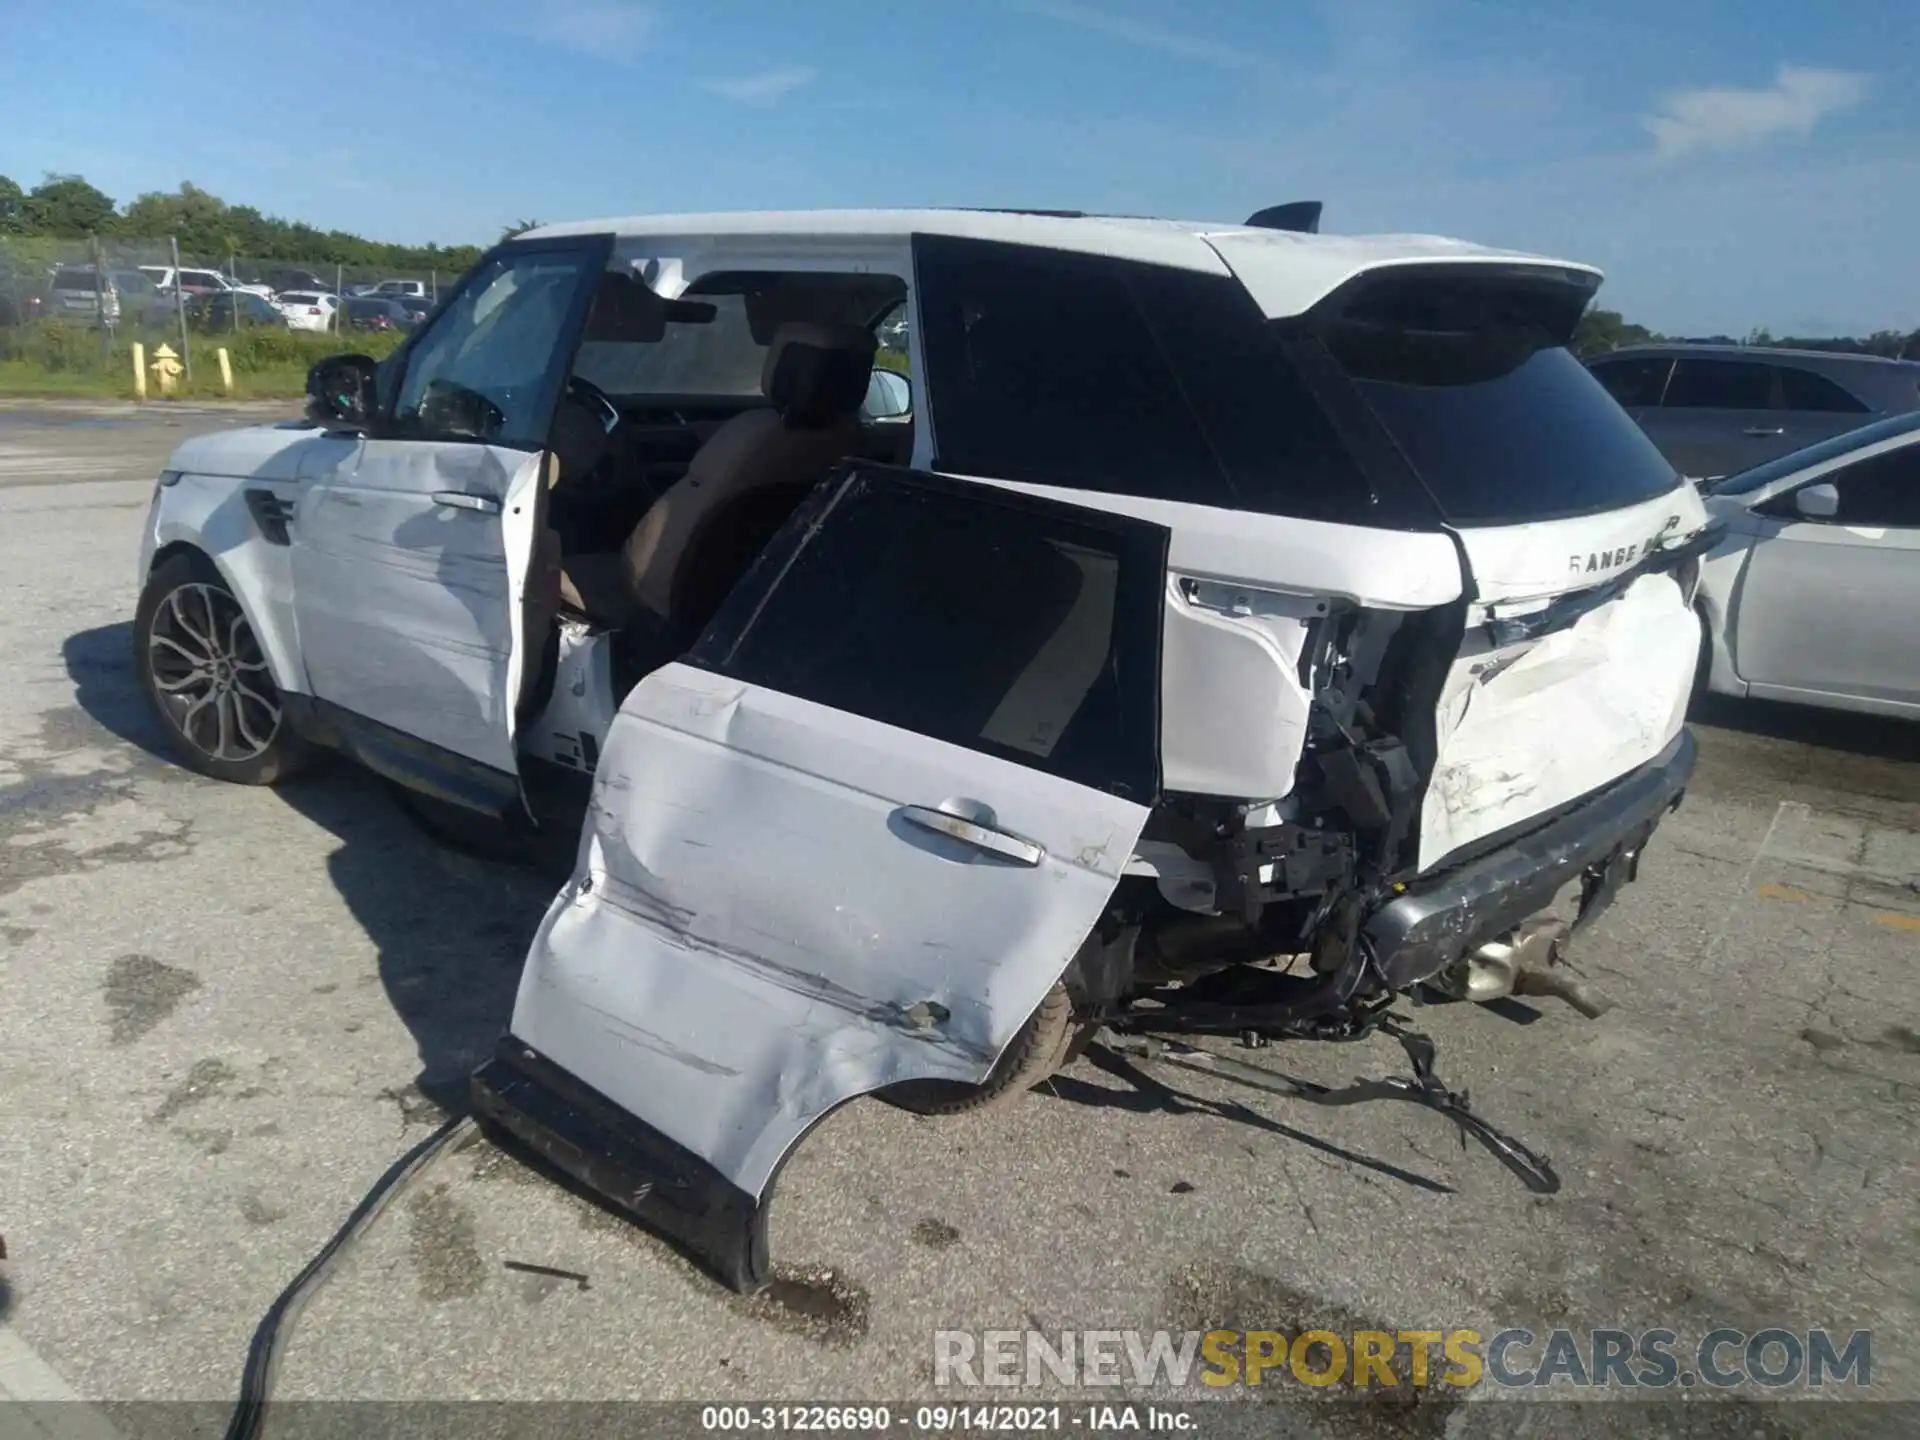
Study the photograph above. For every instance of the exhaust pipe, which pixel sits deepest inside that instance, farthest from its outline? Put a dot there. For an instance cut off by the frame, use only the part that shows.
(1524, 961)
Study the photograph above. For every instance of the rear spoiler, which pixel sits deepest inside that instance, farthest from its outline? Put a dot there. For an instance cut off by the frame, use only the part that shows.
(1300, 216)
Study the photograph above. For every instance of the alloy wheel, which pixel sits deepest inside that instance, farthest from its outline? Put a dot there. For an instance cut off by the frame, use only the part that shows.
(210, 674)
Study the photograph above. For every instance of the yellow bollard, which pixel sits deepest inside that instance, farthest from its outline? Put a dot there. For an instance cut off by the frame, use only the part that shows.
(139, 371)
(166, 368)
(226, 371)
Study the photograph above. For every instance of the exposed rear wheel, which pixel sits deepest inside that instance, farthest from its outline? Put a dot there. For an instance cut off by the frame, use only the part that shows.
(1038, 1049)
(207, 679)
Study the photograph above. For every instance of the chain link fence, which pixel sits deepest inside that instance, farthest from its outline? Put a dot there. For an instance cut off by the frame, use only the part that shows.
(77, 308)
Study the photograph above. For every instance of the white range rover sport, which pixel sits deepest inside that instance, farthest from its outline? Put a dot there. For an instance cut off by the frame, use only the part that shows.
(966, 629)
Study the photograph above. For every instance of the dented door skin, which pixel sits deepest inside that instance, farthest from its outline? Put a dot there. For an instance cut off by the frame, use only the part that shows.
(856, 835)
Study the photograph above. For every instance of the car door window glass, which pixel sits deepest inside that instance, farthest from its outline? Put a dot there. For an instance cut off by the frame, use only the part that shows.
(1882, 491)
(1003, 624)
(1804, 390)
(492, 364)
(1719, 385)
(1635, 383)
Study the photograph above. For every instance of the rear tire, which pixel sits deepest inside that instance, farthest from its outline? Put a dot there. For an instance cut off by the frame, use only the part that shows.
(1038, 1048)
(207, 679)
(468, 832)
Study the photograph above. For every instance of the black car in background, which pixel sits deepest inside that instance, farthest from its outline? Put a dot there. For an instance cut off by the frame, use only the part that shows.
(376, 312)
(216, 312)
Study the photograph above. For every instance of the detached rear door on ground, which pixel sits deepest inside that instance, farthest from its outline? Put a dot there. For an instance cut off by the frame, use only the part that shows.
(856, 835)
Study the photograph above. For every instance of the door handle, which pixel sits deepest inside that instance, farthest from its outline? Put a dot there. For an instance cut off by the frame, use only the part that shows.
(1760, 432)
(461, 500)
(971, 832)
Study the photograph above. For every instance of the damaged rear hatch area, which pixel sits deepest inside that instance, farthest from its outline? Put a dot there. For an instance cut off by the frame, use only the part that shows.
(847, 842)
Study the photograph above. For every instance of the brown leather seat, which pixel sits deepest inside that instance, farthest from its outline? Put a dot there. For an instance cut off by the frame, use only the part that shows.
(815, 378)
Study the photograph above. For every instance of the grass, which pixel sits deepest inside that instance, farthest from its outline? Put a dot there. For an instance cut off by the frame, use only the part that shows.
(50, 358)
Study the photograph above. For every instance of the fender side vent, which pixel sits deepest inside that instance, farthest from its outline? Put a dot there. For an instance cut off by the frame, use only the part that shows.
(272, 514)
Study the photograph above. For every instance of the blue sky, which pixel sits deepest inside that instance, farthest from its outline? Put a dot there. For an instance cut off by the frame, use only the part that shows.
(1729, 163)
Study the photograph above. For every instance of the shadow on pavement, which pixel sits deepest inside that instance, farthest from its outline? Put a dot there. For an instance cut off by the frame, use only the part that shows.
(451, 931)
(1147, 1095)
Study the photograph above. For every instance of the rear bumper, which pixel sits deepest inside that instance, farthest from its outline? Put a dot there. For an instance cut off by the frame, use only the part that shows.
(1442, 917)
(626, 1162)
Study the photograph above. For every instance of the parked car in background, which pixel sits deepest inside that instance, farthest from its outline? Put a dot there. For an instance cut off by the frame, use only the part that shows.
(1717, 409)
(279, 279)
(418, 307)
(394, 288)
(198, 282)
(377, 312)
(1813, 593)
(81, 293)
(308, 309)
(217, 312)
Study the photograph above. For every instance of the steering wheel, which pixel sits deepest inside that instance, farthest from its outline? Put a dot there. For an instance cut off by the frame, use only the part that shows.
(594, 398)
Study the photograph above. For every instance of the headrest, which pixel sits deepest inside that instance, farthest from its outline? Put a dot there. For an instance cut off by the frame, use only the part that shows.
(625, 312)
(817, 372)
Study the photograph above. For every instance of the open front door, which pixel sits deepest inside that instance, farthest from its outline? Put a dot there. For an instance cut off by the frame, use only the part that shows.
(853, 838)
(411, 550)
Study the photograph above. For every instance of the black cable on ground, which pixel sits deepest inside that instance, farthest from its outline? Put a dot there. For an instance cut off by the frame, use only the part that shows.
(263, 1355)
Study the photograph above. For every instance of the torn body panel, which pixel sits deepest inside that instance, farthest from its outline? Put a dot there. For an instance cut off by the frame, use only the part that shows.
(1525, 728)
(756, 931)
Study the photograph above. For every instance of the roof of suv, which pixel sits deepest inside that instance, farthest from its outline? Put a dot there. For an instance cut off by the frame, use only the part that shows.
(1758, 354)
(1287, 271)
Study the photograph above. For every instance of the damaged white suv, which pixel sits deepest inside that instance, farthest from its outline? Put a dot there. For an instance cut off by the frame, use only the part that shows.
(1183, 628)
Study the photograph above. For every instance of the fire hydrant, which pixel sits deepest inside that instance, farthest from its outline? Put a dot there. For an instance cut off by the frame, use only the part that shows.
(166, 369)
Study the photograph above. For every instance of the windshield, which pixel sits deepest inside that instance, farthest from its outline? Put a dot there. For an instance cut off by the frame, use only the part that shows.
(1745, 482)
(719, 357)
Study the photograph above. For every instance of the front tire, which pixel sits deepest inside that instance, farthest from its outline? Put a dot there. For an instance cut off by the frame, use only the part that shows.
(207, 679)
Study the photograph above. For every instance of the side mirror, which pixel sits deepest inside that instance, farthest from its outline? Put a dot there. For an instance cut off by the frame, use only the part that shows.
(340, 391)
(1817, 502)
(889, 396)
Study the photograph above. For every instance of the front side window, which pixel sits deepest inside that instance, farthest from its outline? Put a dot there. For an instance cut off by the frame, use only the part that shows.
(491, 366)
(1882, 491)
(1719, 385)
(1000, 623)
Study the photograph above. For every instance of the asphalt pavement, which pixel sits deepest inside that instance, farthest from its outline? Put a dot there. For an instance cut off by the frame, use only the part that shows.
(225, 1011)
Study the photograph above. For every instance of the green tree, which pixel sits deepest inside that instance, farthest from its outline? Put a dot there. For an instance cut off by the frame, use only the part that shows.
(12, 207)
(67, 208)
(1603, 330)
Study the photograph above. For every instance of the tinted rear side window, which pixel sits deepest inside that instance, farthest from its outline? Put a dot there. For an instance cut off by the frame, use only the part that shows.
(997, 622)
(1097, 374)
(1804, 390)
(1720, 385)
(1502, 424)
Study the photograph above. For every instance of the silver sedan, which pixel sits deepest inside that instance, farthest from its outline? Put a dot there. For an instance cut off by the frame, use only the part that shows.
(1813, 594)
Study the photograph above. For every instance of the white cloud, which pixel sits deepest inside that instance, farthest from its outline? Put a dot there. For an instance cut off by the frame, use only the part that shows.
(767, 88)
(611, 29)
(1176, 43)
(1718, 118)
